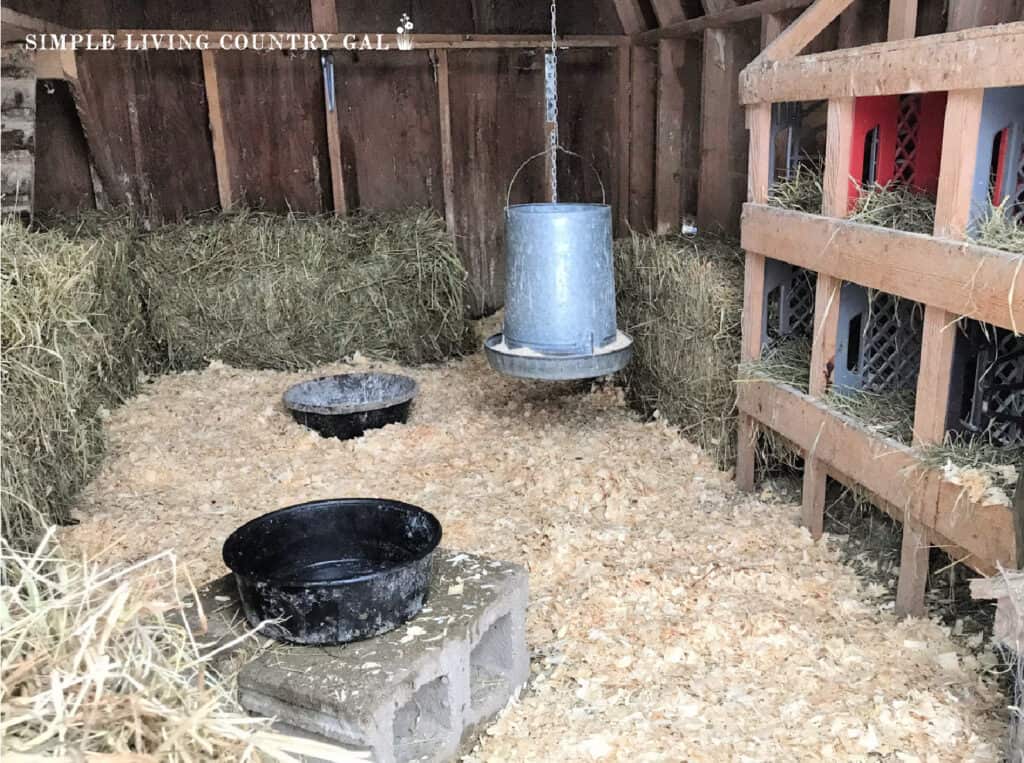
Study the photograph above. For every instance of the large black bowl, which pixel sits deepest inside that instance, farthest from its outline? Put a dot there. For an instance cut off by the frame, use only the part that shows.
(346, 405)
(333, 571)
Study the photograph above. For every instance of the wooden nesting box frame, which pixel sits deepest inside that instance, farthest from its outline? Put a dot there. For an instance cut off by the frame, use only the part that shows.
(952, 277)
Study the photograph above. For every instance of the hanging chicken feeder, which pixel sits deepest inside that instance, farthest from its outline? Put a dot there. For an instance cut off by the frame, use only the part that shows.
(560, 280)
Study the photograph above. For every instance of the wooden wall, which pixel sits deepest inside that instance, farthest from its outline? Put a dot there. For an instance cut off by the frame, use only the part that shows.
(144, 124)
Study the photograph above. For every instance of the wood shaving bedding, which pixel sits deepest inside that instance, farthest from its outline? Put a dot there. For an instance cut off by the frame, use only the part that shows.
(672, 617)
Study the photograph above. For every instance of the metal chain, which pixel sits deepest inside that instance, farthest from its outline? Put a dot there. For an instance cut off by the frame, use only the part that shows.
(551, 93)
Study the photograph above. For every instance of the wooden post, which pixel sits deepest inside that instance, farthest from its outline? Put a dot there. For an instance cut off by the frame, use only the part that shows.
(447, 159)
(220, 149)
(902, 19)
(622, 105)
(835, 203)
(938, 337)
(668, 153)
(759, 122)
(723, 141)
(325, 20)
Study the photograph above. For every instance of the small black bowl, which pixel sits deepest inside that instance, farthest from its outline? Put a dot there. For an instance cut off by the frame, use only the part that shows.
(333, 571)
(346, 405)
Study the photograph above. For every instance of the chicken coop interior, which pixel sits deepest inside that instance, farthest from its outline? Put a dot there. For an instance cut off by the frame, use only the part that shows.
(633, 380)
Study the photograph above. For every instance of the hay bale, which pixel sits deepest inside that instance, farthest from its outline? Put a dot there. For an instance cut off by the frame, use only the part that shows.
(73, 341)
(266, 291)
(681, 300)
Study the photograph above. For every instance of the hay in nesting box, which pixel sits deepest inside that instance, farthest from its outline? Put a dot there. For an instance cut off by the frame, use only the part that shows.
(99, 662)
(74, 340)
(681, 300)
(801, 191)
(786, 360)
(889, 413)
(987, 472)
(897, 206)
(270, 291)
(1000, 230)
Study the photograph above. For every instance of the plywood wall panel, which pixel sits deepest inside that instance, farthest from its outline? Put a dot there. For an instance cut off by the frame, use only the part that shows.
(497, 123)
(390, 130)
(147, 130)
(276, 130)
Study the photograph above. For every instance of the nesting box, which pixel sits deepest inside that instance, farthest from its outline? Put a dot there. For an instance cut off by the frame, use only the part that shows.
(897, 138)
(988, 383)
(789, 301)
(999, 168)
(878, 343)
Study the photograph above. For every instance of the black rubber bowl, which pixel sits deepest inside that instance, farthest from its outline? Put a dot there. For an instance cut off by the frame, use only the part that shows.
(333, 571)
(346, 405)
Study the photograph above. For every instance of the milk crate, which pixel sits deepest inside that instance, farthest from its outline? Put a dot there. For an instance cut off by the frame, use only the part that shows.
(988, 384)
(789, 302)
(999, 169)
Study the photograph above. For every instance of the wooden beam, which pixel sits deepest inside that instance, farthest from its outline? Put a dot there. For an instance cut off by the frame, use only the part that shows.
(974, 58)
(892, 471)
(643, 119)
(802, 32)
(325, 19)
(630, 16)
(759, 123)
(444, 107)
(195, 39)
(723, 139)
(669, 149)
(220, 149)
(668, 11)
(736, 15)
(772, 25)
(902, 19)
(961, 278)
(623, 74)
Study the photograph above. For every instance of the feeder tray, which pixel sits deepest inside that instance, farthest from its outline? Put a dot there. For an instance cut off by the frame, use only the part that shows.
(527, 363)
(334, 571)
(346, 405)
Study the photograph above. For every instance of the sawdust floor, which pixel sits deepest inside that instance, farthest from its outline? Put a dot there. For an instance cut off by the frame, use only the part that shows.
(671, 616)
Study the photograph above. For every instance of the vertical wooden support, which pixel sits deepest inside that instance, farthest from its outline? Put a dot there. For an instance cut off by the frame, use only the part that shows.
(759, 123)
(447, 159)
(325, 20)
(835, 203)
(938, 337)
(668, 188)
(622, 107)
(723, 141)
(669, 152)
(643, 63)
(772, 25)
(902, 19)
(220, 150)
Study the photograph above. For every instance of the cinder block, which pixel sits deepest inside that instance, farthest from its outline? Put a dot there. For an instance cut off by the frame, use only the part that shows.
(421, 692)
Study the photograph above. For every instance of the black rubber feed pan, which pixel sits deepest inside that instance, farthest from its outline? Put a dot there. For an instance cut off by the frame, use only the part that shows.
(334, 571)
(346, 405)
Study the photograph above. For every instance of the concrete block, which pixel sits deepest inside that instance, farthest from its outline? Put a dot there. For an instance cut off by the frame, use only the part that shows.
(422, 692)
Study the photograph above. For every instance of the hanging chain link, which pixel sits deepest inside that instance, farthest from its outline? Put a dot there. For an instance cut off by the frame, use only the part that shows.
(551, 94)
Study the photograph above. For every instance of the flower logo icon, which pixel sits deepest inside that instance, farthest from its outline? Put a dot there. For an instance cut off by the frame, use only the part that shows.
(404, 32)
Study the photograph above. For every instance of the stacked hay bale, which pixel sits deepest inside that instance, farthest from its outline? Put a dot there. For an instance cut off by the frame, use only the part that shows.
(90, 306)
(74, 339)
(681, 300)
(265, 291)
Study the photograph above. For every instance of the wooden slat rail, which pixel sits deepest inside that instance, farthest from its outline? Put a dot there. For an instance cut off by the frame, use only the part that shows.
(716, 20)
(224, 40)
(974, 58)
(962, 278)
(892, 471)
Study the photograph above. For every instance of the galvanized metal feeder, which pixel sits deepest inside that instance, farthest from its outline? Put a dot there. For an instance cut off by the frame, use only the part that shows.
(560, 279)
